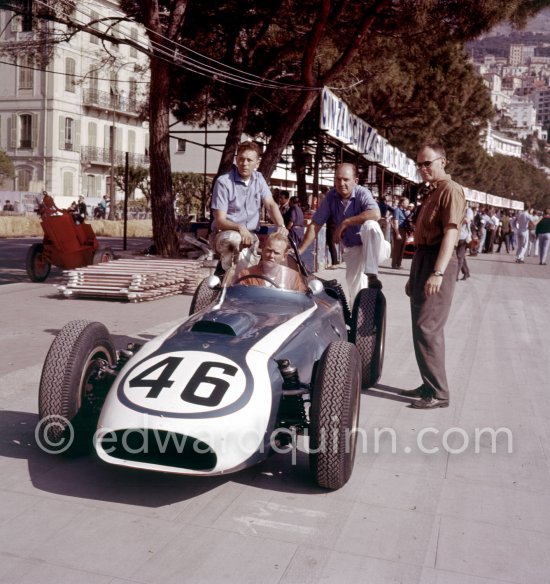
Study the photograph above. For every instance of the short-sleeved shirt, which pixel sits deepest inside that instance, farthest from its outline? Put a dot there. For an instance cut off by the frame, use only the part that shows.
(400, 216)
(240, 201)
(333, 206)
(522, 221)
(443, 207)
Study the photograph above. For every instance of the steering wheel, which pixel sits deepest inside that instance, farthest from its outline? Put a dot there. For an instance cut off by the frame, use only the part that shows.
(258, 276)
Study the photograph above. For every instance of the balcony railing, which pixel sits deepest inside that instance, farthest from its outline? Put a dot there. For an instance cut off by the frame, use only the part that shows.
(111, 101)
(95, 155)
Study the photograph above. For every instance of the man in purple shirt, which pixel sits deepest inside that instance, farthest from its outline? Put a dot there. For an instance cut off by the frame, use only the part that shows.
(356, 215)
(237, 199)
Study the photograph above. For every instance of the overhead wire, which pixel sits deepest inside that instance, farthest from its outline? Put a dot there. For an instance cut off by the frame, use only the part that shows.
(218, 71)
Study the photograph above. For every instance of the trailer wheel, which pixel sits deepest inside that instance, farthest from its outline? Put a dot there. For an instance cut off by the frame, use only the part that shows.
(38, 267)
(103, 255)
(368, 333)
(203, 296)
(334, 415)
(72, 391)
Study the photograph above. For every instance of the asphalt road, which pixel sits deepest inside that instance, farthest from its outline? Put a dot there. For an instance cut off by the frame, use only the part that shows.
(462, 509)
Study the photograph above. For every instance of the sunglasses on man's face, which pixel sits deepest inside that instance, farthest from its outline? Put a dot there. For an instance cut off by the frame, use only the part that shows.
(427, 164)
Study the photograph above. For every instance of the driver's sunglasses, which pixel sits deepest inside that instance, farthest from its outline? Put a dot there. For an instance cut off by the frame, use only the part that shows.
(427, 164)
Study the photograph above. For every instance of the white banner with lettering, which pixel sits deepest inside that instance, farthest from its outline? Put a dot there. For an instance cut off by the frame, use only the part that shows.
(340, 123)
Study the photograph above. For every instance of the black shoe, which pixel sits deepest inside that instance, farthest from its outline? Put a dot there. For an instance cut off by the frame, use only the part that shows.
(430, 403)
(413, 392)
(465, 277)
(374, 282)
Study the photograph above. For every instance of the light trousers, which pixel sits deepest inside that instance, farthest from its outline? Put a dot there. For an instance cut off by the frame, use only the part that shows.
(364, 259)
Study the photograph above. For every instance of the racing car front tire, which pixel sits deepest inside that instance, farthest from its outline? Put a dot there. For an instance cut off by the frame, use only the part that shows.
(67, 405)
(38, 267)
(203, 296)
(334, 415)
(368, 333)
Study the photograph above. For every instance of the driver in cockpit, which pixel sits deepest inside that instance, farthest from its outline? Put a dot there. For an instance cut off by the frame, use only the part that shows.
(273, 266)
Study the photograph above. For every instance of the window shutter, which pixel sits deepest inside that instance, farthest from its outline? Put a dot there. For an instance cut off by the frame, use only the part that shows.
(92, 135)
(119, 139)
(131, 141)
(13, 131)
(34, 130)
(76, 144)
(106, 141)
(61, 132)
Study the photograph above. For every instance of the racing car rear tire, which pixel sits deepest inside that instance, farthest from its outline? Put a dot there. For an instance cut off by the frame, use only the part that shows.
(203, 296)
(334, 415)
(368, 333)
(38, 267)
(67, 407)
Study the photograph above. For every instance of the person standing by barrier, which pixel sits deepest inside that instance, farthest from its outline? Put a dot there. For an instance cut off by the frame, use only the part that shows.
(356, 215)
(399, 224)
(433, 275)
(295, 221)
(505, 230)
(543, 236)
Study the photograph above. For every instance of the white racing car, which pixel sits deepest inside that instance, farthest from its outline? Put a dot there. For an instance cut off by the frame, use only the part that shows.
(254, 365)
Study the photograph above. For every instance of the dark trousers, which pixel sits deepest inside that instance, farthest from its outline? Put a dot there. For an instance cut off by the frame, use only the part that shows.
(490, 240)
(398, 249)
(429, 315)
(330, 242)
(461, 258)
(504, 239)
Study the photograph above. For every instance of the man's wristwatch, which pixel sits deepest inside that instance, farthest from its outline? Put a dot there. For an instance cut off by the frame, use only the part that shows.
(438, 273)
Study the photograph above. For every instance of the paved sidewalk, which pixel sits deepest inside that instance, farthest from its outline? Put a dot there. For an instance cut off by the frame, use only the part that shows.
(429, 502)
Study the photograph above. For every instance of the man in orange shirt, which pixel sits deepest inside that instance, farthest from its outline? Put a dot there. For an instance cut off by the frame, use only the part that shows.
(433, 275)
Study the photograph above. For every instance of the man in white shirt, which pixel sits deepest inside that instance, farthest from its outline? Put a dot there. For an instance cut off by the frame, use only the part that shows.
(522, 222)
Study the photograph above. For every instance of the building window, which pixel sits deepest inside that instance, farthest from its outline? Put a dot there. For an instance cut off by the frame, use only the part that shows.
(131, 141)
(25, 131)
(132, 94)
(134, 38)
(92, 186)
(94, 16)
(69, 134)
(24, 177)
(92, 134)
(26, 73)
(68, 184)
(16, 24)
(115, 45)
(70, 78)
(182, 145)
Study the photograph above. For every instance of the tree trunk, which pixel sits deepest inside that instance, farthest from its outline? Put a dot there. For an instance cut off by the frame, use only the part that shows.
(162, 196)
(234, 134)
(297, 112)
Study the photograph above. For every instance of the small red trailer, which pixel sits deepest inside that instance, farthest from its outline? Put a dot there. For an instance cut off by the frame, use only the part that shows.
(66, 244)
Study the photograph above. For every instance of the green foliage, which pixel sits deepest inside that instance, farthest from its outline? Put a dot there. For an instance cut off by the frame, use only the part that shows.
(138, 178)
(189, 189)
(7, 169)
(510, 177)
